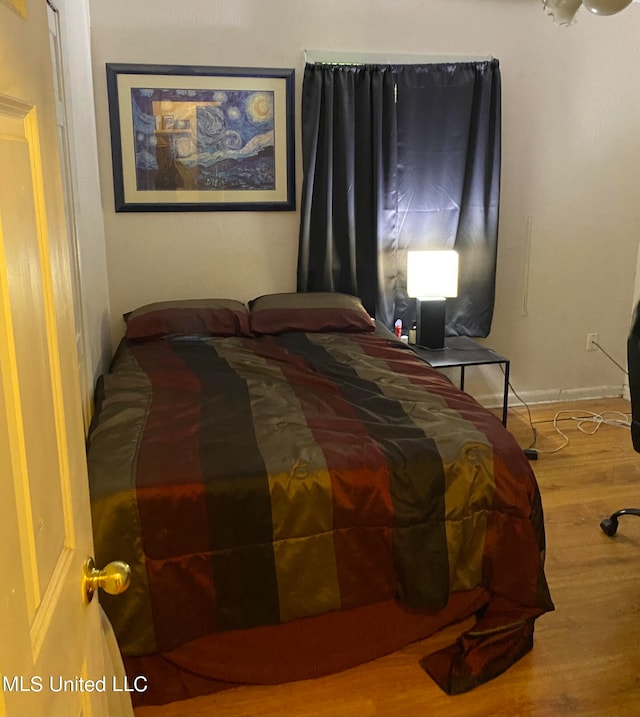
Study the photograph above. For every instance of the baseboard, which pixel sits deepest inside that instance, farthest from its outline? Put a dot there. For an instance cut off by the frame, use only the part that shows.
(555, 395)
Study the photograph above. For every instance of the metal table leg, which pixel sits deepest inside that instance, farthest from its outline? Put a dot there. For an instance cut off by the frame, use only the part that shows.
(505, 400)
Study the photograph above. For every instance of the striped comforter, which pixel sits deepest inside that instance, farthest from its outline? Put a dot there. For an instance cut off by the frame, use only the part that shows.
(253, 481)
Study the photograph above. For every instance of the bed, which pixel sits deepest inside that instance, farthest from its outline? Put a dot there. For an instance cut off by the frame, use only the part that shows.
(296, 492)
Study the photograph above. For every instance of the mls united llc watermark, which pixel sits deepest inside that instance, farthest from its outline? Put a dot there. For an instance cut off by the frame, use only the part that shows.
(56, 683)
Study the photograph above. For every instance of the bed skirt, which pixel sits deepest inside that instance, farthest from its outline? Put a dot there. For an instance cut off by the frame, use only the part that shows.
(298, 650)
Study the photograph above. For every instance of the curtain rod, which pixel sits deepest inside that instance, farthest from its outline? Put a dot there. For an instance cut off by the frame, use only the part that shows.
(322, 57)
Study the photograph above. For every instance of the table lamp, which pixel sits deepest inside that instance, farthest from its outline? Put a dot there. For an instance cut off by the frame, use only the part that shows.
(432, 277)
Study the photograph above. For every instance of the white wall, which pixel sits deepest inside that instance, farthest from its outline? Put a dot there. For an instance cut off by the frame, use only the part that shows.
(571, 162)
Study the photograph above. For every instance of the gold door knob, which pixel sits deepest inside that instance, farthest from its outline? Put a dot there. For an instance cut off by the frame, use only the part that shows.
(114, 578)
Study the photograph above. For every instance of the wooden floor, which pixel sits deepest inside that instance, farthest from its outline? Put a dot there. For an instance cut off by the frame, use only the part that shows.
(586, 656)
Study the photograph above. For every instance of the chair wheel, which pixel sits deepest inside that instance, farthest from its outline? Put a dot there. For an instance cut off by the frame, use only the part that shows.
(609, 527)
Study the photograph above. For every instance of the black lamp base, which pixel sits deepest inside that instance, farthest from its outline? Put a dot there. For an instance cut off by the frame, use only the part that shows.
(430, 323)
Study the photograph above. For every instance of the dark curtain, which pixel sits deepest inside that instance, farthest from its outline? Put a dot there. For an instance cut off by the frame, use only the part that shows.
(348, 197)
(396, 158)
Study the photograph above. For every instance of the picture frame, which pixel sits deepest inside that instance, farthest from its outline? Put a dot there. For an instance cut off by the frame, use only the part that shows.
(201, 138)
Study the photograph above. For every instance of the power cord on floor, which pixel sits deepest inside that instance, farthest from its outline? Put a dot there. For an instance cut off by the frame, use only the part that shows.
(620, 420)
(607, 418)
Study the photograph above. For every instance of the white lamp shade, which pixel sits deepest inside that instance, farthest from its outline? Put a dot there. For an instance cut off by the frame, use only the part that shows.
(432, 274)
(606, 7)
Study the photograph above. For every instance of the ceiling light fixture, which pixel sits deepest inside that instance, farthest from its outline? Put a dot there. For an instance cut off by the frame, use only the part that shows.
(564, 11)
(606, 7)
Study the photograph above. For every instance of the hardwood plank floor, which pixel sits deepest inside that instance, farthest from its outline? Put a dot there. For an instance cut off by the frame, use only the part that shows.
(586, 655)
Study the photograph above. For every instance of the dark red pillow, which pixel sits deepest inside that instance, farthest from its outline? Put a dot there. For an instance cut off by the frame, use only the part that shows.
(189, 317)
(308, 312)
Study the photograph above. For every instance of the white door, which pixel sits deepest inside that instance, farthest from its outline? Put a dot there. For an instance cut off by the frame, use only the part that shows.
(52, 647)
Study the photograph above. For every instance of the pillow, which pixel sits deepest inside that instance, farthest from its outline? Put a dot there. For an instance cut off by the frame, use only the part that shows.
(189, 317)
(314, 311)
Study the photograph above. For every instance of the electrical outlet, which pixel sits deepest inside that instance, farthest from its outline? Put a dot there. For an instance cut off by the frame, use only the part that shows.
(592, 339)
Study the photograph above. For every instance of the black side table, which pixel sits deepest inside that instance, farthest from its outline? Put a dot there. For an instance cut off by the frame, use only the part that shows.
(462, 351)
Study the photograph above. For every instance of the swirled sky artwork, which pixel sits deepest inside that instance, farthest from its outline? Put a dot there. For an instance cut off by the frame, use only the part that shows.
(203, 139)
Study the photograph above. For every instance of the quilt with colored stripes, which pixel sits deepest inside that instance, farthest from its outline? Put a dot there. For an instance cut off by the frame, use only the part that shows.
(253, 481)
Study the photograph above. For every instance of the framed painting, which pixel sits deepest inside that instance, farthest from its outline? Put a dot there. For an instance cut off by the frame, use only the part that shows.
(201, 138)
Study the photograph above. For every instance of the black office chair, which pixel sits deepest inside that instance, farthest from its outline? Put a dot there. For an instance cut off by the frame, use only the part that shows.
(610, 525)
